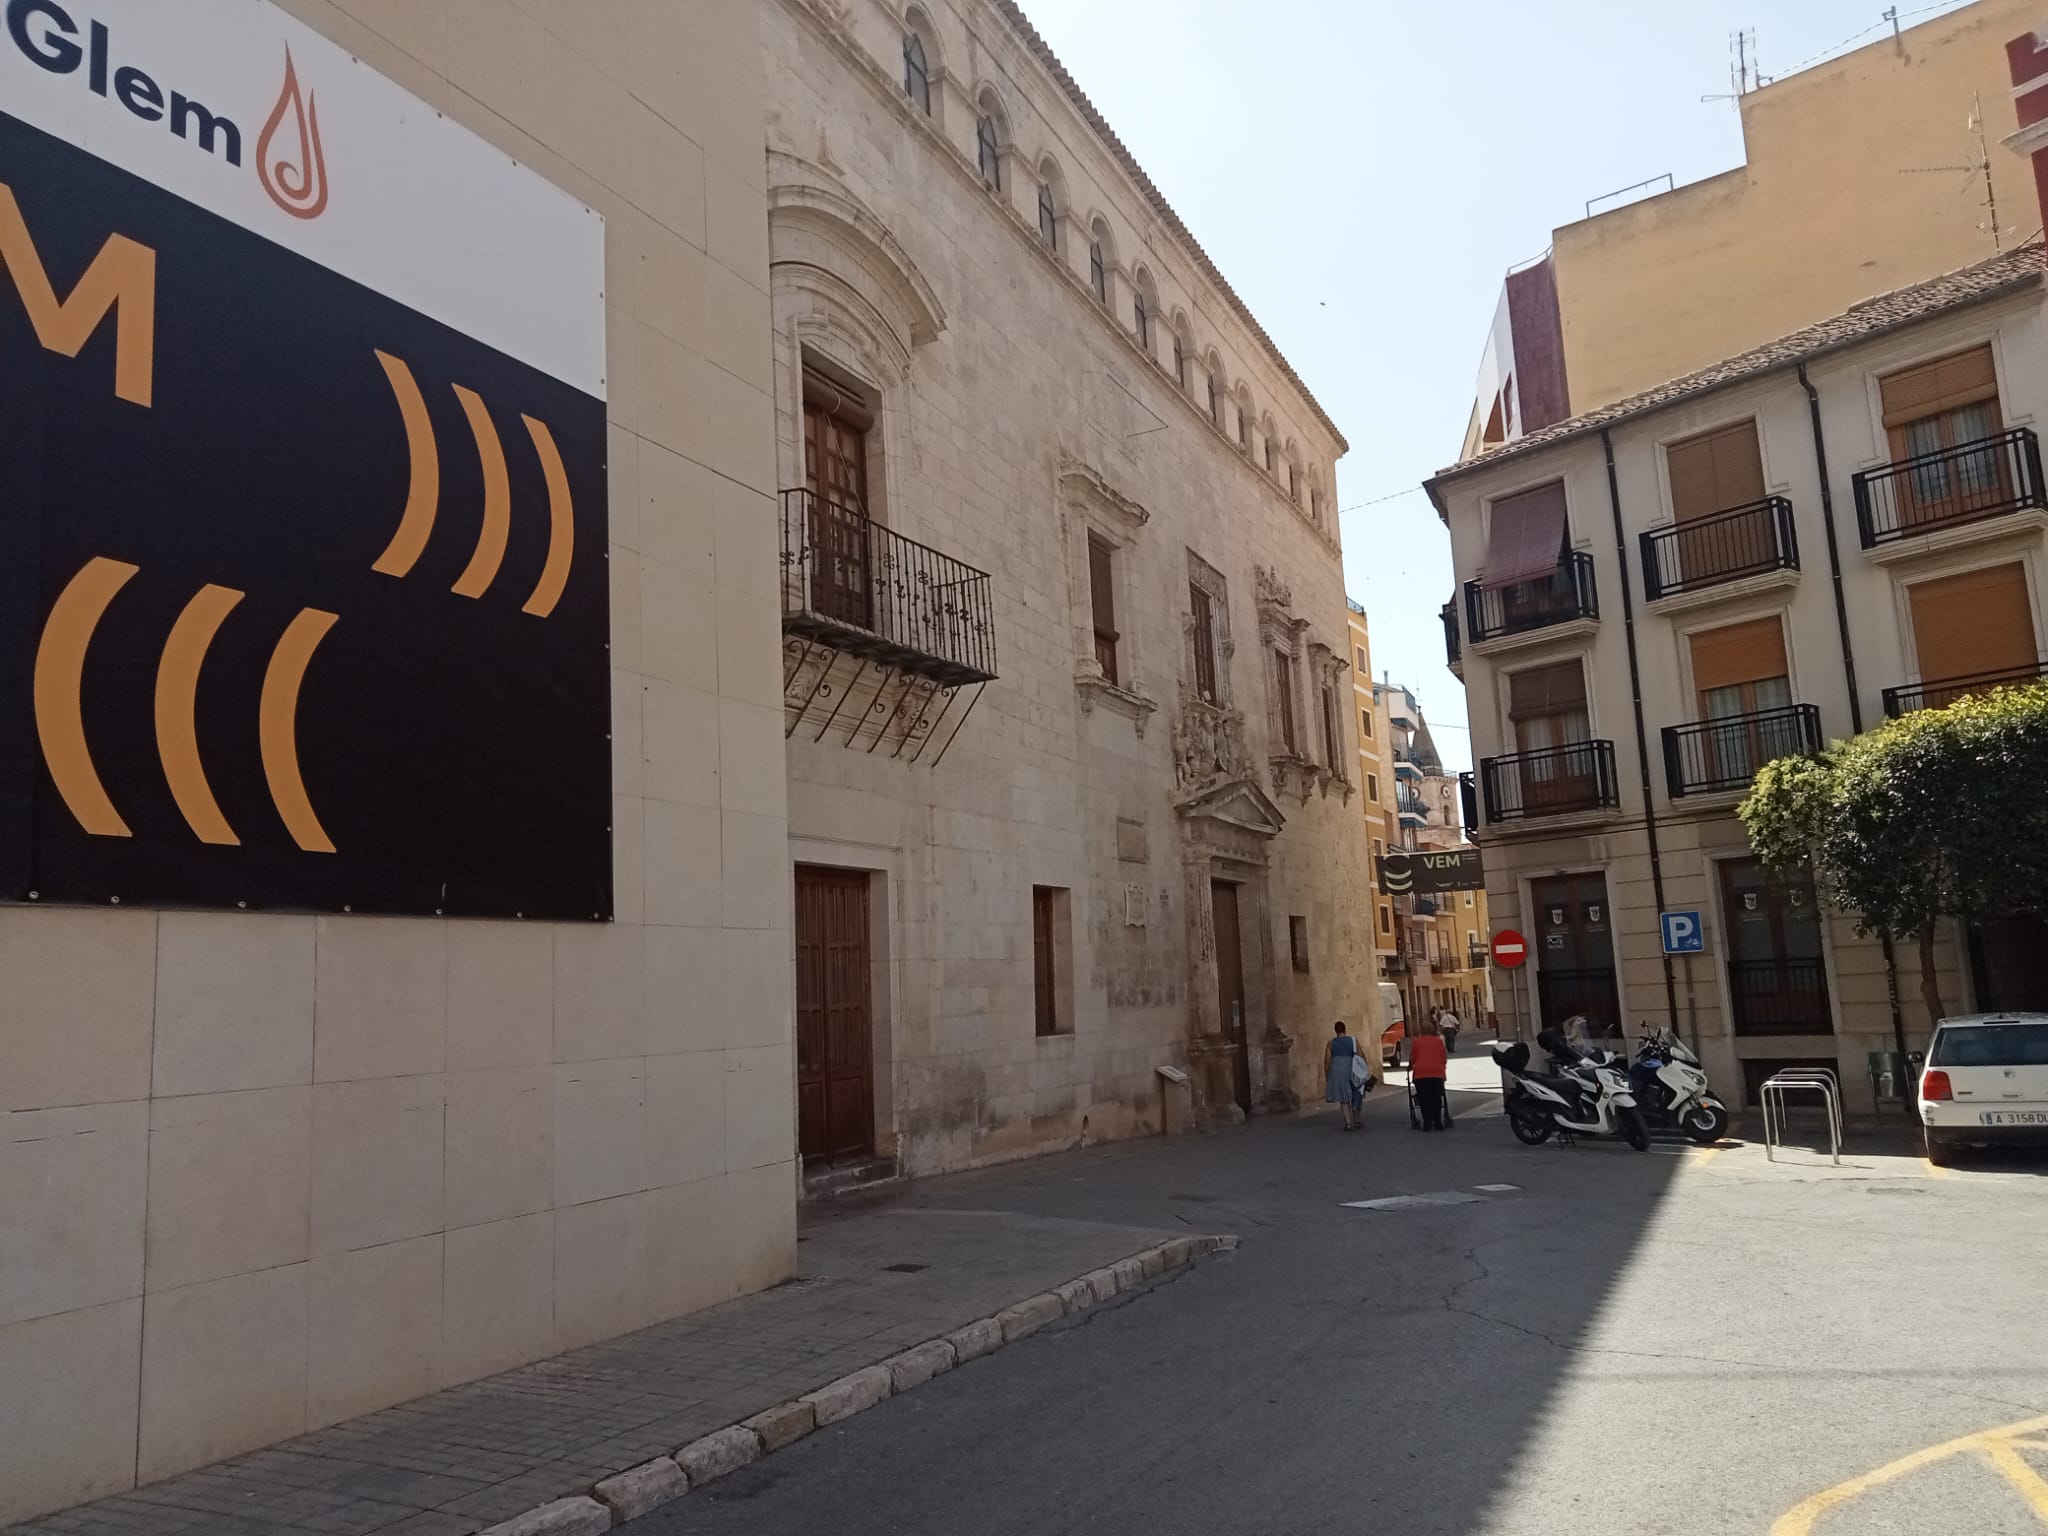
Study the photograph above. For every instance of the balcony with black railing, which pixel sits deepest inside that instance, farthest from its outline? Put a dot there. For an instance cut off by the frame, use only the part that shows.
(1969, 483)
(1716, 756)
(1468, 801)
(1942, 692)
(1565, 595)
(1557, 781)
(855, 586)
(1727, 546)
(1453, 650)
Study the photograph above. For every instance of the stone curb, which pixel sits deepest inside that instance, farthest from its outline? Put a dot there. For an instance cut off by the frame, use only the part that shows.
(632, 1493)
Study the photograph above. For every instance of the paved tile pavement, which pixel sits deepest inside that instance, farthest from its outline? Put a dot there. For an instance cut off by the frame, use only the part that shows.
(873, 1281)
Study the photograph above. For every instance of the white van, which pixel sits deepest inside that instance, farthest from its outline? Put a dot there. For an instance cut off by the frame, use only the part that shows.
(1985, 1083)
(1393, 1023)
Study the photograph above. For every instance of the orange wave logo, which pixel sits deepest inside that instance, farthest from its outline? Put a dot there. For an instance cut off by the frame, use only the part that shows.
(294, 173)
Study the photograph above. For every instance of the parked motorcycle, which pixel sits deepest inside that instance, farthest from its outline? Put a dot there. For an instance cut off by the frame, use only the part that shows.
(1671, 1089)
(1581, 1098)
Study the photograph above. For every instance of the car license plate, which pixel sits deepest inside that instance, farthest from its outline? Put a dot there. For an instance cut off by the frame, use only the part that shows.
(2014, 1117)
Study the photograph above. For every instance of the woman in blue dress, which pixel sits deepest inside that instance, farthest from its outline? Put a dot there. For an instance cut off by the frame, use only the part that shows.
(1338, 1054)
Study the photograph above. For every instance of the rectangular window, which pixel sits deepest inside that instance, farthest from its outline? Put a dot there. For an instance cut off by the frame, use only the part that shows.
(1715, 472)
(1283, 688)
(1297, 941)
(836, 425)
(1102, 604)
(1052, 961)
(1946, 404)
(1378, 848)
(1329, 701)
(1365, 724)
(1386, 919)
(1372, 786)
(1972, 624)
(1204, 611)
(1364, 668)
(1547, 706)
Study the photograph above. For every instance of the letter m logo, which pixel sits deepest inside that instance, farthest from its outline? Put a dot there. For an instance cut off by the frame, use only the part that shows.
(121, 279)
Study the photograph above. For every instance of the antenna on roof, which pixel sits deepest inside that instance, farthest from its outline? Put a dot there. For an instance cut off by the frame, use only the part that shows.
(1743, 74)
(1979, 164)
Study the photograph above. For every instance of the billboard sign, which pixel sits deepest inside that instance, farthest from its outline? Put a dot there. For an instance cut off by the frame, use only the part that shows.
(1419, 874)
(303, 598)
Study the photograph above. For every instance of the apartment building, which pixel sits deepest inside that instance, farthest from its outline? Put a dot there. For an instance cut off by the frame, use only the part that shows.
(1785, 547)
(1067, 711)
(1375, 762)
(1873, 158)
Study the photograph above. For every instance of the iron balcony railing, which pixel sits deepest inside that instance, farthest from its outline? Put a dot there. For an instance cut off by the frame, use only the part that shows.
(1560, 597)
(1743, 541)
(1468, 801)
(1942, 692)
(1554, 782)
(1964, 484)
(1779, 997)
(852, 584)
(1726, 753)
(1453, 652)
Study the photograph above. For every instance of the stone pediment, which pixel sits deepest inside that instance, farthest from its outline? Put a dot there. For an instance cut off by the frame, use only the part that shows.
(1235, 802)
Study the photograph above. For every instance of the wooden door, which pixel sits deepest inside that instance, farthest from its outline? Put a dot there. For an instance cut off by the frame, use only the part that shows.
(1777, 980)
(834, 1028)
(1941, 405)
(1575, 953)
(1230, 998)
(836, 470)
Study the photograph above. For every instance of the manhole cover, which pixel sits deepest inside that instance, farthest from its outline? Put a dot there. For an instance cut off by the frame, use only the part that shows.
(903, 1269)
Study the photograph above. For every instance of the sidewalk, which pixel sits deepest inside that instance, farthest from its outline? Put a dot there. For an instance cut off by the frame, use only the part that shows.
(873, 1283)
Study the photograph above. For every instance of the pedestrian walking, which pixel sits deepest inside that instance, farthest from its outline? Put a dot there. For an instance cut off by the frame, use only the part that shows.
(1338, 1088)
(1427, 1068)
(1449, 1022)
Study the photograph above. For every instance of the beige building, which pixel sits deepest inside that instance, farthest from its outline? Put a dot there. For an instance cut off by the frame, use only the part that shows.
(1856, 181)
(1376, 767)
(1073, 802)
(1786, 547)
(973, 570)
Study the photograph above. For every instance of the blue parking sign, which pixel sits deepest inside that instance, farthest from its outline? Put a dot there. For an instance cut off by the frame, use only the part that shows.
(1684, 933)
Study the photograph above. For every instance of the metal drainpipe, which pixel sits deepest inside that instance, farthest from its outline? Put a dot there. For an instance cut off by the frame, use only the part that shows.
(1827, 514)
(1635, 681)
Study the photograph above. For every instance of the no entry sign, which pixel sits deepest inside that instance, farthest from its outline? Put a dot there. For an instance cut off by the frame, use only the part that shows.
(1510, 949)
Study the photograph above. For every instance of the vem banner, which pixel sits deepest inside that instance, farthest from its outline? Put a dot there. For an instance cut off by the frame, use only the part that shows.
(303, 597)
(1421, 874)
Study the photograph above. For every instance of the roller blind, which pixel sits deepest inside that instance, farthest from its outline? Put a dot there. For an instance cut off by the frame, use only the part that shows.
(1715, 471)
(1526, 537)
(1974, 623)
(1939, 386)
(1553, 690)
(1738, 653)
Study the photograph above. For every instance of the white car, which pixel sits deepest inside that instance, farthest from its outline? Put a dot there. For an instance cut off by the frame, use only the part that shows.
(1985, 1083)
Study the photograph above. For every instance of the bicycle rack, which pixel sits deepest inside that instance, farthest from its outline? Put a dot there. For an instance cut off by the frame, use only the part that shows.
(1818, 1080)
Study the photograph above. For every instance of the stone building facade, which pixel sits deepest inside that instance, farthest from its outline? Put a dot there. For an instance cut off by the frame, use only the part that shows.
(1107, 827)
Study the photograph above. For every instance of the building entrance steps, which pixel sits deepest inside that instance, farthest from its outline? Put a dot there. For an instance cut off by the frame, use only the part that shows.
(887, 1296)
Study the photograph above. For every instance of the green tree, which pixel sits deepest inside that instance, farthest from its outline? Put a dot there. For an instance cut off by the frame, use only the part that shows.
(1942, 813)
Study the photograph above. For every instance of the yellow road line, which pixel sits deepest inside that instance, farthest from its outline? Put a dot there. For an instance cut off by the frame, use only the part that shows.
(1799, 1520)
(2026, 1482)
(1936, 1173)
(1708, 1154)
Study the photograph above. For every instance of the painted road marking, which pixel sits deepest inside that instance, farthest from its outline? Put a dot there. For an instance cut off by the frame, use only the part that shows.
(1411, 1202)
(1496, 1189)
(1996, 1445)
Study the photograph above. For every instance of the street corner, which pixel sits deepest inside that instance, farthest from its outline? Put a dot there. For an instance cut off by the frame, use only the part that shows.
(1984, 1481)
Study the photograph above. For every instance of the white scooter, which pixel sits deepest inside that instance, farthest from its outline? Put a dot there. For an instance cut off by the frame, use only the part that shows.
(1584, 1098)
(1671, 1088)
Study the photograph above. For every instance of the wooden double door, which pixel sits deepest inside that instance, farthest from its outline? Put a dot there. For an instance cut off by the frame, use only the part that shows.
(835, 1054)
(1575, 953)
(1230, 994)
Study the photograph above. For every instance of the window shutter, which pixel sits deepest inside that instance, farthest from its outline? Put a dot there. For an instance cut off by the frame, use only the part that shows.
(1101, 587)
(1205, 642)
(1738, 653)
(1974, 623)
(1939, 386)
(1715, 471)
(1542, 691)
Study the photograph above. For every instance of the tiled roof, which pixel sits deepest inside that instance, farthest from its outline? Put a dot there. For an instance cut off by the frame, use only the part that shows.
(1160, 206)
(1873, 317)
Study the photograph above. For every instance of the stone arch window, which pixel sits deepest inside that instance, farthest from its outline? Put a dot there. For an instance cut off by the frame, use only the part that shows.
(1244, 418)
(918, 53)
(1293, 456)
(1101, 257)
(1182, 345)
(1212, 370)
(1144, 308)
(1051, 202)
(1272, 442)
(988, 142)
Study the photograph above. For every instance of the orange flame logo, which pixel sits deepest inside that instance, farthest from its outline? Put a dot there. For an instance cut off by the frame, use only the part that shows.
(296, 179)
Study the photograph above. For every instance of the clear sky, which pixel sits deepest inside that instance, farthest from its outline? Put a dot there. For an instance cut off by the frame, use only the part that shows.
(1365, 172)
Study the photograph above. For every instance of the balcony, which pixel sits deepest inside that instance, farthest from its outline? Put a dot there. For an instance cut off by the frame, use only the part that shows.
(1949, 488)
(1565, 596)
(1409, 806)
(1558, 781)
(1779, 997)
(1453, 652)
(1708, 552)
(1945, 691)
(1407, 765)
(1716, 756)
(857, 588)
(1468, 801)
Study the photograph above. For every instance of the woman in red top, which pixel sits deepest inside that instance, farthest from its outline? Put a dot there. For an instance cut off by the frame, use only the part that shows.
(1428, 1065)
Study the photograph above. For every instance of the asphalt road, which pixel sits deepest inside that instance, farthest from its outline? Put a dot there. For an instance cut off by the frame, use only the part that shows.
(1675, 1342)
